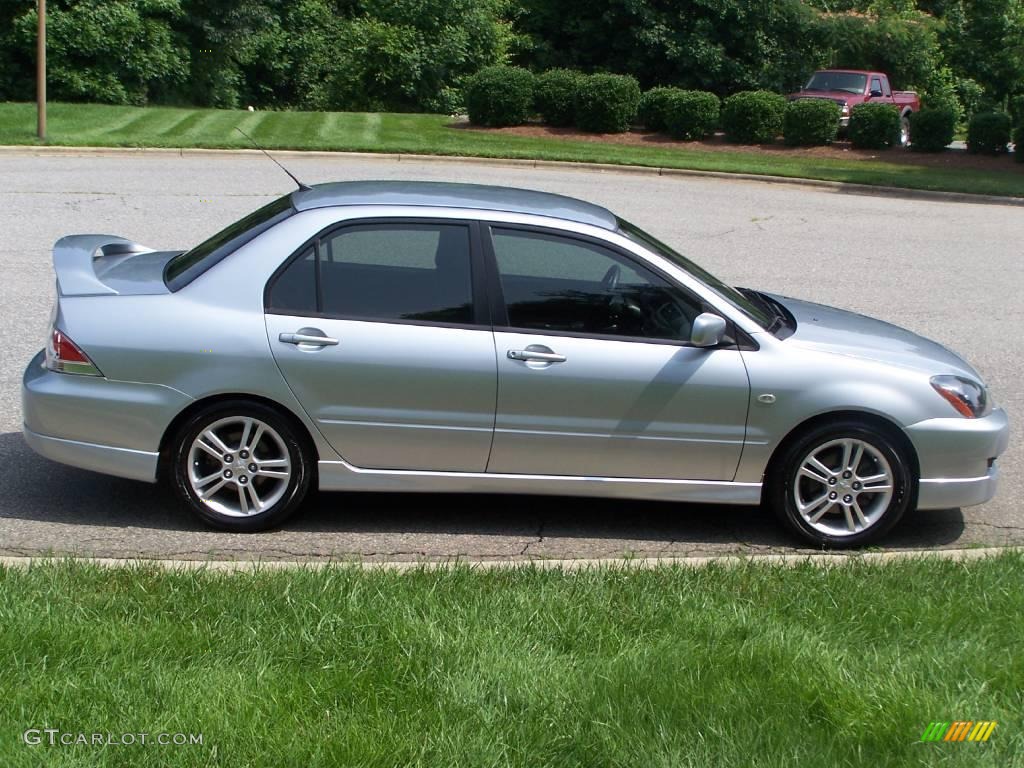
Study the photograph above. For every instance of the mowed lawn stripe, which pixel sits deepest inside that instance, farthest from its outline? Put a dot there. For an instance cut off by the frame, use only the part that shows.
(100, 125)
(752, 665)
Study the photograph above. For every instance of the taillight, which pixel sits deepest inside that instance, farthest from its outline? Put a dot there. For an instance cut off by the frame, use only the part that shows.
(64, 356)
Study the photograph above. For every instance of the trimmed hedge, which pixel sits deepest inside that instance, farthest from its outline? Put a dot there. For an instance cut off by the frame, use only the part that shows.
(874, 126)
(810, 122)
(753, 117)
(651, 112)
(555, 96)
(931, 130)
(500, 95)
(691, 115)
(1018, 140)
(607, 103)
(988, 133)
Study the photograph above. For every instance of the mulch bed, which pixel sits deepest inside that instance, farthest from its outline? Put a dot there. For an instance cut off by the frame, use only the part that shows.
(951, 158)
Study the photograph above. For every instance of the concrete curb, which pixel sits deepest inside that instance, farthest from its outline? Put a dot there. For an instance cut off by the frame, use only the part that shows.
(829, 186)
(247, 566)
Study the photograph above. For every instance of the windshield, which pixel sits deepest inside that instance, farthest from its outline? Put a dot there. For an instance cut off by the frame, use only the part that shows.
(755, 308)
(851, 82)
(187, 266)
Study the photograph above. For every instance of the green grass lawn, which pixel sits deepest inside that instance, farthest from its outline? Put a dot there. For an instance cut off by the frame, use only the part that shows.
(753, 665)
(102, 125)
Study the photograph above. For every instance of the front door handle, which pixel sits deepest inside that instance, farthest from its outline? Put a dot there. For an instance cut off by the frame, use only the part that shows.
(312, 336)
(535, 355)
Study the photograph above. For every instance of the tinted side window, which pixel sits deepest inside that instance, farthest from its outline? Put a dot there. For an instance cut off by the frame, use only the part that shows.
(553, 283)
(294, 290)
(398, 272)
(876, 84)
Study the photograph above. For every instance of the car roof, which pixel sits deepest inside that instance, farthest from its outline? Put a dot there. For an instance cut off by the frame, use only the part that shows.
(440, 194)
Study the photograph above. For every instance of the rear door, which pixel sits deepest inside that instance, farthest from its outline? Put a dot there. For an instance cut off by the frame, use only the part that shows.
(595, 373)
(381, 331)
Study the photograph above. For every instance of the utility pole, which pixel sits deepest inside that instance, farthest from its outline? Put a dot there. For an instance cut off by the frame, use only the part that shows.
(41, 72)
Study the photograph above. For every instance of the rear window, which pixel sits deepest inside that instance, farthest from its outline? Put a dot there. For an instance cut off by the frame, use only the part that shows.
(187, 266)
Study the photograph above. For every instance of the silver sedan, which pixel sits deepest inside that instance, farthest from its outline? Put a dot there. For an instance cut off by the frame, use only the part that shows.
(446, 337)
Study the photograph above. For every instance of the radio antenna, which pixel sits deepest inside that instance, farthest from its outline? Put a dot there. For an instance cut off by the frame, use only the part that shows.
(261, 149)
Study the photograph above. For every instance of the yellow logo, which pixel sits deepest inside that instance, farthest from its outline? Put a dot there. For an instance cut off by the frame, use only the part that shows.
(961, 730)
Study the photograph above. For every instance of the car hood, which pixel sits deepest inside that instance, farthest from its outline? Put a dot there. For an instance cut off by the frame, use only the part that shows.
(840, 97)
(836, 331)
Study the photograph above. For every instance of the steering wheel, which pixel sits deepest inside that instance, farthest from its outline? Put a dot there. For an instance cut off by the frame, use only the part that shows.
(610, 281)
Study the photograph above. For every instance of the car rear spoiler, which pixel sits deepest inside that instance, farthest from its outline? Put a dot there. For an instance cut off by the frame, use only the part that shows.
(80, 262)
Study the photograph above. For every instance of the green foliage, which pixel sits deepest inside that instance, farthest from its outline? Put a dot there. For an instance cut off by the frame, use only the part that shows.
(810, 122)
(904, 46)
(691, 115)
(651, 111)
(984, 40)
(753, 117)
(719, 46)
(556, 96)
(970, 93)
(500, 95)
(607, 103)
(932, 129)
(988, 133)
(110, 51)
(874, 126)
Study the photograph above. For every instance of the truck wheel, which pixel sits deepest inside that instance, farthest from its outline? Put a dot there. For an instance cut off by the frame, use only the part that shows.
(905, 131)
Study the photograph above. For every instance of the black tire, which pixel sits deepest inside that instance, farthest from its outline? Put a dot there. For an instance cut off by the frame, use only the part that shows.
(784, 475)
(288, 494)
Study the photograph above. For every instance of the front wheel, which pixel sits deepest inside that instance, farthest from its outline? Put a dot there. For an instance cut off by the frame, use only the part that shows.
(240, 466)
(841, 485)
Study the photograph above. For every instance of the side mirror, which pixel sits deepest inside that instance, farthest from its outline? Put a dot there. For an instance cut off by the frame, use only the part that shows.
(708, 330)
(875, 94)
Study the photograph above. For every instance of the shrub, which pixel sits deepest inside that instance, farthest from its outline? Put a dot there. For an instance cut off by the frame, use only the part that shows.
(753, 117)
(651, 112)
(874, 126)
(932, 129)
(555, 96)
(988, 133)
(499, 95)
(1018, 140)
(810, 122)
(607, 103)
(691, 115)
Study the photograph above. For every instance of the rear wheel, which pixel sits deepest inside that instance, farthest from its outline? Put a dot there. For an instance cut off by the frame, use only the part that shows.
(841, 485)
(905, 131)
(240, 466)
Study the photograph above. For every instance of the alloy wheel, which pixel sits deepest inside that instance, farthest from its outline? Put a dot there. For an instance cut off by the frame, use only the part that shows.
(239, 466)
(843, 487)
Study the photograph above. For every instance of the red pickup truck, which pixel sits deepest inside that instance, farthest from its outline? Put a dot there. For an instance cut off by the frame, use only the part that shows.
(850, 87)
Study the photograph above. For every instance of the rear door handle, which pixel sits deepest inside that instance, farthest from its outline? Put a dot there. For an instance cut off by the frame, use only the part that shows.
(531, 355)
(314, 339)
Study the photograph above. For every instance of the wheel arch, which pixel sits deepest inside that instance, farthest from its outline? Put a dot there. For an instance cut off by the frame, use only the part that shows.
(205, 402)
(883, 424)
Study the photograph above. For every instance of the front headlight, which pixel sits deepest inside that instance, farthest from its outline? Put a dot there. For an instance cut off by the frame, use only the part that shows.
(968, 397)
(845, 108)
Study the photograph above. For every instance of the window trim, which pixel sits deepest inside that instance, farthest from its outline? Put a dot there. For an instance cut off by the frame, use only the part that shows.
(734, 337)
(478, 291)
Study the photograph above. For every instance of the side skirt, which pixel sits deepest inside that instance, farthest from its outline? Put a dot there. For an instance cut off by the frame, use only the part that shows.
(341, 476)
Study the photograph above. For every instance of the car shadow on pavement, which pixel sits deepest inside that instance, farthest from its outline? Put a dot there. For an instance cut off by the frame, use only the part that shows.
(35, 489)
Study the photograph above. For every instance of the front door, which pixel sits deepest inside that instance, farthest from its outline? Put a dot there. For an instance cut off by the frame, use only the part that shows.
(376, 330)
(595, 374)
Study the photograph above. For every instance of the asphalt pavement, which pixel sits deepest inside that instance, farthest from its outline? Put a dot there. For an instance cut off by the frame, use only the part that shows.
(950, 271)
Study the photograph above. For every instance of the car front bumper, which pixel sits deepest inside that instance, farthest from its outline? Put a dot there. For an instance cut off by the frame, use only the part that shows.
(957, 459)
(94, 423)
